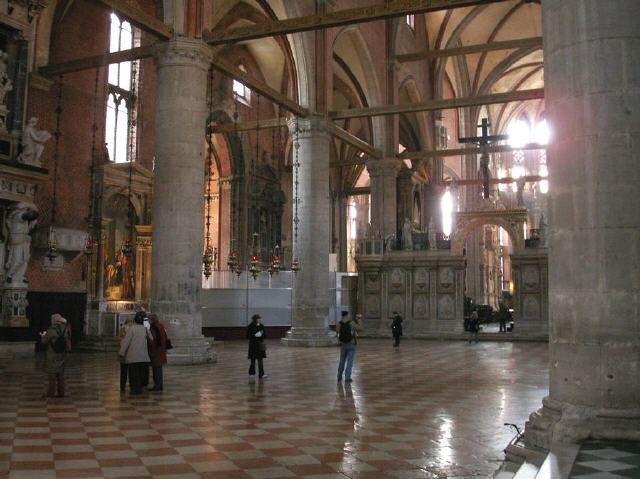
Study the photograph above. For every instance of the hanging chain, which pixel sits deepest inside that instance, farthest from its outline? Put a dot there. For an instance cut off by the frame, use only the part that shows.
(56, 153)
(296, 166)
(208, 256)
(131, 127)
(91, 218)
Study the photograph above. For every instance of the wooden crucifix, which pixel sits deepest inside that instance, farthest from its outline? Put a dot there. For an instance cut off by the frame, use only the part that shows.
(483, 141)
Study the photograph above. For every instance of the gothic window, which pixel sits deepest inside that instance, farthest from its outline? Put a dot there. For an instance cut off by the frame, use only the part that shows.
(121, 99)
(411, 21)
(240, 91)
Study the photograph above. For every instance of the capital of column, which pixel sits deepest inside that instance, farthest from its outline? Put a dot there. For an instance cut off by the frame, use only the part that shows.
(183, 52)
(313, 125)
(383, 167)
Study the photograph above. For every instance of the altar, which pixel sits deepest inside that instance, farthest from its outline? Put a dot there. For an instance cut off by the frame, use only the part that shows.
(425, 283)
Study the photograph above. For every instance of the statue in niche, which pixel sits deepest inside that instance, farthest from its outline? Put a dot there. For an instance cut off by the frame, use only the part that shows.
(5, 83)
(20, 223)
(520, 182)
(407, 240)
(433, 242)
(33, 141)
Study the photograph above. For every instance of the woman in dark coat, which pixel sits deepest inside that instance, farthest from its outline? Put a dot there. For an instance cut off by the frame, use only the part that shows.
(257, 347)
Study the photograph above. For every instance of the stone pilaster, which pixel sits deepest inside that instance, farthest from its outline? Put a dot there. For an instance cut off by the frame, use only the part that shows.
(592, 93)
(383, 174)
(178, 203)
(311, 297)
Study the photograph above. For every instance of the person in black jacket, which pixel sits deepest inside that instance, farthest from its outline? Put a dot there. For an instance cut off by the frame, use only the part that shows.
(257, 347)
(396, 329)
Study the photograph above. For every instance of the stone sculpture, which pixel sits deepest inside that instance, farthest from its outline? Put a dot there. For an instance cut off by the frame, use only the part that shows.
(20, 222)
(32, 143)
(5, 83)
(433, 242)
(407, 240)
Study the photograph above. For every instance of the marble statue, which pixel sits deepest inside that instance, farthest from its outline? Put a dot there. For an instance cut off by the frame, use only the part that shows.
(433, 242)
(407, 229)
(32, 143)
(5, 83)
(20, 222)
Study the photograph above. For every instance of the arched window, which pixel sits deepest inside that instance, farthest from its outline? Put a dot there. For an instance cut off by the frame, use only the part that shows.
(120, 100)
(240, 91)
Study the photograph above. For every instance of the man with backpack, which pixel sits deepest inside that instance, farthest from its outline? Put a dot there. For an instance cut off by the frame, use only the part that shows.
(57, 342)
(347, 335)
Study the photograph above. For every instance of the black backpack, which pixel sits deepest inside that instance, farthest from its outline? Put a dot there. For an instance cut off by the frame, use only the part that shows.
(345, 335)
(60, 343)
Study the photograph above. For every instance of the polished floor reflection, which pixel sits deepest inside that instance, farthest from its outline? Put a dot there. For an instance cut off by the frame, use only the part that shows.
(429, 409)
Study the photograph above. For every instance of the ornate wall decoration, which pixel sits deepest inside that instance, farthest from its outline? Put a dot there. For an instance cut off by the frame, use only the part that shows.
(446, 307)
(445, 278)
(530, 307)
(420, 306)
(372, 306)
(530, 277)
(421, 279)
(396, 280)
(372, 281)
(396, 303)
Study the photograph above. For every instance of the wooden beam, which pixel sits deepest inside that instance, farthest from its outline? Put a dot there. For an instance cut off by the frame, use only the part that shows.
(439, 154)
(426, 154)
(335, 130)
(518, 95)
(139, 17)
(251, 125)
(97, 61)
(485, 47)
(260, 87)
(495, 181)
(354, 141)
(335, 19)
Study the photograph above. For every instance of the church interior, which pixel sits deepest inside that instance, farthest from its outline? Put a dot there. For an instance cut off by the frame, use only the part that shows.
(460, 163)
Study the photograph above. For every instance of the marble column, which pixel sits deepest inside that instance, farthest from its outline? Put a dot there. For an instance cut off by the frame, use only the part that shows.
(178, 202)
(311, 298)
(592, 93)
(383, 174)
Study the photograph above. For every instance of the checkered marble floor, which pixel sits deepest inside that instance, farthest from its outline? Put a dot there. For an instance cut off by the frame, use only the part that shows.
(431, 409)
(607, 460)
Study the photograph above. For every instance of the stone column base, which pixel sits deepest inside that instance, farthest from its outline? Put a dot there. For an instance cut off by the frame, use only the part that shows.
(191, 351)
(310, 337)
(568, 423)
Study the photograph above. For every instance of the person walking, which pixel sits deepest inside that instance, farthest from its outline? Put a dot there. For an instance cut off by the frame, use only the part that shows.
(396, 329)
(57, 342)
(474, 327)
(502, 317)
(347, 335)
(256, 334)
(123, 366)
(158, 351)
(134, 352)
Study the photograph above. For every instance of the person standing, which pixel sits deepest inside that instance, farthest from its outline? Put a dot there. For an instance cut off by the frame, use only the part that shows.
(256, 334)
(502, 317)
(347, 335)
(474, 326)
(158, 351)
(57, 342)
(123, 366)
(396, 329)
(133, 350)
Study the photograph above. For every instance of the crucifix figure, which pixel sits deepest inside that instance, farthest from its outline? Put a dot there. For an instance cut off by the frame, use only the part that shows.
(482, 142)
